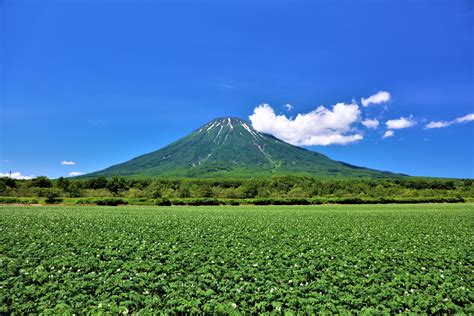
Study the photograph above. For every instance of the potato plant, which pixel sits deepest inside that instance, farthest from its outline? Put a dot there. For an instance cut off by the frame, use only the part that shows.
(233, 260)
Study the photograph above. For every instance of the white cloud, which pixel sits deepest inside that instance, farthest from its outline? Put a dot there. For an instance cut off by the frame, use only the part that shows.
(68, 163)
(388, 134)
(466, 118)
(75, 173)
(402, 122)
(321, 126)
(379, 97)
(288, 107)
(16, 175)
(331, 139)
(371, 123)
(439, 124)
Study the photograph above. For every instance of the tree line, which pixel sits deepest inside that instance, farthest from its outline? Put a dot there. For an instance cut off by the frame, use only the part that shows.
(285, 187)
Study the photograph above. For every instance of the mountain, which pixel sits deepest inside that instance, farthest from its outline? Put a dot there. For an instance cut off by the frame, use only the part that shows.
(230, 147)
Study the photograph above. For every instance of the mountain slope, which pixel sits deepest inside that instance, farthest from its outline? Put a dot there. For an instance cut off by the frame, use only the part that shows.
(230, 147)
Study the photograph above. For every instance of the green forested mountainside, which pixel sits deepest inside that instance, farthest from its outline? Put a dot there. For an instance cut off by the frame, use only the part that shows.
(231, 148)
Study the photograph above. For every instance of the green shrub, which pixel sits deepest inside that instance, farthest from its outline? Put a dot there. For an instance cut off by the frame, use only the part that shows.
(316, 201)
(163, 202)
(288, 201)
(9, 200)
(349, 201)
(293, 201)
(178, 202)
(51, 195)
(85, 201)
(234, 202)
(202, 202)
(262, 202)
(110, 202)
(14, 200)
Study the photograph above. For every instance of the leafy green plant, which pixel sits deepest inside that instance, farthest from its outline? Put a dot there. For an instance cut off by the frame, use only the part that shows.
(163, 202)
(330, 259)
(51, 195)
(110, 201)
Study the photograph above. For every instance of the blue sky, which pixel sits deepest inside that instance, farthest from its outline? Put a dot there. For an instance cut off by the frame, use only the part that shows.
(99, 82)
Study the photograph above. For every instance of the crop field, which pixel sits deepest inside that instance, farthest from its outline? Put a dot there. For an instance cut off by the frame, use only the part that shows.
(231, 260)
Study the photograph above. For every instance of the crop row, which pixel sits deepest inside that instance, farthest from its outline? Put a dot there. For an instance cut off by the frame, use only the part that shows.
(276, 259)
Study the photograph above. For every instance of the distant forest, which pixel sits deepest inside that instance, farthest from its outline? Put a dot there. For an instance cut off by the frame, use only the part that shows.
(292, 188)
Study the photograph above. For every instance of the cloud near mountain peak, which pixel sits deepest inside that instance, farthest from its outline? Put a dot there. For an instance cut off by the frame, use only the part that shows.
(322, 126)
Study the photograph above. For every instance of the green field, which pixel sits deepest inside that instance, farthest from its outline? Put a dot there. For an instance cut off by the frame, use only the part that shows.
(247, 259)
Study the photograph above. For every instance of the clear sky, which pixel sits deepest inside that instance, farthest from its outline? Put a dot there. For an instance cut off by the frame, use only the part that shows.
(96, 83)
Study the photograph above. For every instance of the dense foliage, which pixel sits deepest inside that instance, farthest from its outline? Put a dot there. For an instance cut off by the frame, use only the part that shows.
(270, 189)
(329, 259)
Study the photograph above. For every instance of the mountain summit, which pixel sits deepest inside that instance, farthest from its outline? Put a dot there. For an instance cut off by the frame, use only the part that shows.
(230, 147)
